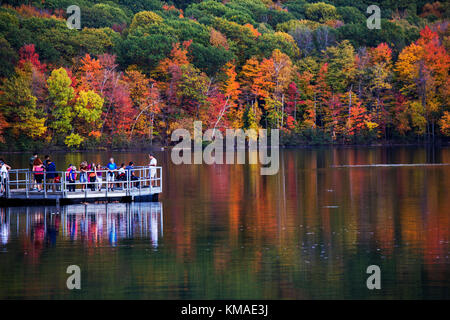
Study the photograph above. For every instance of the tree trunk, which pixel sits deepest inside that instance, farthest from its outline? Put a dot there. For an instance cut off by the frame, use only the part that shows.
(282, 110)
(151, 129)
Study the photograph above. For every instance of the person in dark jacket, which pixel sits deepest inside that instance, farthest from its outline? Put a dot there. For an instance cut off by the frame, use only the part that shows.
(50, 169)
(130, 173)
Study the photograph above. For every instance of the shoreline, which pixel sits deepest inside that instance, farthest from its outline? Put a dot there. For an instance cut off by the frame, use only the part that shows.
(291, 147)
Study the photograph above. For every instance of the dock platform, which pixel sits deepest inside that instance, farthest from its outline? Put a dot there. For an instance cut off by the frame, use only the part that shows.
(138, 184)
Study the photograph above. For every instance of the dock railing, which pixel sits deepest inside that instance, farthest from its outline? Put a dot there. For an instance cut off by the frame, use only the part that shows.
(132, 181)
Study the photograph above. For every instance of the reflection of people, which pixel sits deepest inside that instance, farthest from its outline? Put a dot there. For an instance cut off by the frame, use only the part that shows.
(73, 227)
(53, 229)
(154, 229)
(4, 232)
(152, 164)
(113, 234)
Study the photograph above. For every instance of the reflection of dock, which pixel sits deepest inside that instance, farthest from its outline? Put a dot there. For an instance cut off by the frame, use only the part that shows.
(96, 224)
(143, 184)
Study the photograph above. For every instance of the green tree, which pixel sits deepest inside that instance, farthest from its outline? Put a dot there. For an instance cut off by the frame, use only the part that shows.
(268, 42)
(193, 89)
(18, 105)
(74, 140)
(8, 58)
(93, 41)
(341, 66)
(186, 29)
(141, 5)
(103, 15)
(61, 93)
(145, 51)
(321, 12)
(351, 15)
(208, 58)
(88, 110)
(144, 20)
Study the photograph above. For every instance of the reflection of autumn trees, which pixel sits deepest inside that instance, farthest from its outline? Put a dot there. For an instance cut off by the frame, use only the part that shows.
(308, 232)
(304, 228)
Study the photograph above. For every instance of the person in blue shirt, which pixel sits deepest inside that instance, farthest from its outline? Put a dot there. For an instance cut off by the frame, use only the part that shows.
(129, 167)
(112, 168)
(71, 176)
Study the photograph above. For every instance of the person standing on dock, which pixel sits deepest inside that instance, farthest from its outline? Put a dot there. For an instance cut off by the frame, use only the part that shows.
(4, 168)
(92, 176)
(121, 175)
(130, 173)
(83, 174)
(38, 170)
(71, 176)
(99, 177)
(33, 157)
(153, 163)
(50, 168)
(112, 168)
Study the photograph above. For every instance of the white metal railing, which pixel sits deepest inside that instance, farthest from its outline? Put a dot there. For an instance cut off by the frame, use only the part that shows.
(135, 179)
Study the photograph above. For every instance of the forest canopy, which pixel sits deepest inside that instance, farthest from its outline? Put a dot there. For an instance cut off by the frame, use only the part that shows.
(139, 69)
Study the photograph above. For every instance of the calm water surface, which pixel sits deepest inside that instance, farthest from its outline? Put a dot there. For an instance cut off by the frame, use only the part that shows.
(225, 231)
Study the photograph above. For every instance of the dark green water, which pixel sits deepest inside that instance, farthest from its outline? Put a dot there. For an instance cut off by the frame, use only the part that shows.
(225, 231)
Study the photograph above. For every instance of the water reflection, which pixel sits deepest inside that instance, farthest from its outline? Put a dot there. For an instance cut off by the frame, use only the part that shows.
(93, 224)
(229, 233)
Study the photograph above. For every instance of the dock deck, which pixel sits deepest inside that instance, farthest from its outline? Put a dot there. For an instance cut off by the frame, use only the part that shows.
(139, 184)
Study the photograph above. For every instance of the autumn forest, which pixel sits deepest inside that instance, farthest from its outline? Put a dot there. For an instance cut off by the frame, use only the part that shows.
(138, 69)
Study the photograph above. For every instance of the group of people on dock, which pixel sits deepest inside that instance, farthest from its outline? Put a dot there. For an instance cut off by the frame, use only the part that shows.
(89, 175)
(39, 168)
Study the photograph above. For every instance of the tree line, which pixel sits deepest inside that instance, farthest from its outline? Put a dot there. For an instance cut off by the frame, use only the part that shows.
(138, 70)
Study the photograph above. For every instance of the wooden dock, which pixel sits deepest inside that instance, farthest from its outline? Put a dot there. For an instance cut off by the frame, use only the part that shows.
(138, 184)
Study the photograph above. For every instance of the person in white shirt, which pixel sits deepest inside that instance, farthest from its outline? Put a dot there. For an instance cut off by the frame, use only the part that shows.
(121, 169)
(4, 168)
(153, 163)
(121, 175)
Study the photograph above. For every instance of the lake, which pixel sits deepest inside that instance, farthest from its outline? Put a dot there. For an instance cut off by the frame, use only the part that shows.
(227, 232)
